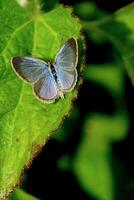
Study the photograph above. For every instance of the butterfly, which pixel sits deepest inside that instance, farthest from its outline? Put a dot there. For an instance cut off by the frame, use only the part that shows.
(50, 80)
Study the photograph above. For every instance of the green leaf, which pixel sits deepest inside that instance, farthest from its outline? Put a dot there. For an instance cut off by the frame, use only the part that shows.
(20, 194)
(109, 75)
(91, 162)
(119, 30)
(26, 122)
(88, 11)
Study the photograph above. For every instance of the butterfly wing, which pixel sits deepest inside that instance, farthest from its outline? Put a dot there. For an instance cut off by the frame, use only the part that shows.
(65, 64)
(30, 69)
(36, 71)
(45, 88)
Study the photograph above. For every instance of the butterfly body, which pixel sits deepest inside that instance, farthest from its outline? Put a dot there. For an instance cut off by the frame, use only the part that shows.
(57, 80)
(50, 80)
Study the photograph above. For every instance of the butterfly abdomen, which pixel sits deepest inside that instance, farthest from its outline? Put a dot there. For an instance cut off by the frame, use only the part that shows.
(53, 71)
(59, 88)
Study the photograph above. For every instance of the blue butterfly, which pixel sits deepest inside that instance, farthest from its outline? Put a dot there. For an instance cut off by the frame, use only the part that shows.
(50, 80)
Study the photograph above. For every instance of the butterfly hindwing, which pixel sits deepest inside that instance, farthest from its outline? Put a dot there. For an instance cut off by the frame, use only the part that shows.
(45, 88)
(65, 64)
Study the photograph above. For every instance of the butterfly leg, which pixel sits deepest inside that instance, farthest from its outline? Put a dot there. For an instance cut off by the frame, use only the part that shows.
(60, 94)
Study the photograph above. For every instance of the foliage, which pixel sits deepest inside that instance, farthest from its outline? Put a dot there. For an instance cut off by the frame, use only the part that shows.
(20, 194)
(118, 28)
(25, 121)
(92, 161)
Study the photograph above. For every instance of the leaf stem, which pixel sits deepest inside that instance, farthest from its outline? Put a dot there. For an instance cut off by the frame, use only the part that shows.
(32, 6)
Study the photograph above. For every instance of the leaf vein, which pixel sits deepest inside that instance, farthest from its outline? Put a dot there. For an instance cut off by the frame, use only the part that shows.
(13, 34)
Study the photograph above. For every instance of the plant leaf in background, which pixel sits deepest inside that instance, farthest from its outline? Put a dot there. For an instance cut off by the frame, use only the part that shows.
(20, 194)
(89, 11)
(92, 161)
(119, 30)
(25, 122)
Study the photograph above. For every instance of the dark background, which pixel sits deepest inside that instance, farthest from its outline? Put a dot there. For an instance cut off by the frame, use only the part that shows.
(44, 179)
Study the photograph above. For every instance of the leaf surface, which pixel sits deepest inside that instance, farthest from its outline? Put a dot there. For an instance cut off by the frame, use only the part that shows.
(26, 122)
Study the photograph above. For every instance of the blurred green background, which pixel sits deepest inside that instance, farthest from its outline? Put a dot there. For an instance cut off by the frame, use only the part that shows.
(91, 156)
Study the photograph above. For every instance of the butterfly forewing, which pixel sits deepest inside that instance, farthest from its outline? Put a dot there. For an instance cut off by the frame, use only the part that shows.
(30, 69)
(65, 64)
